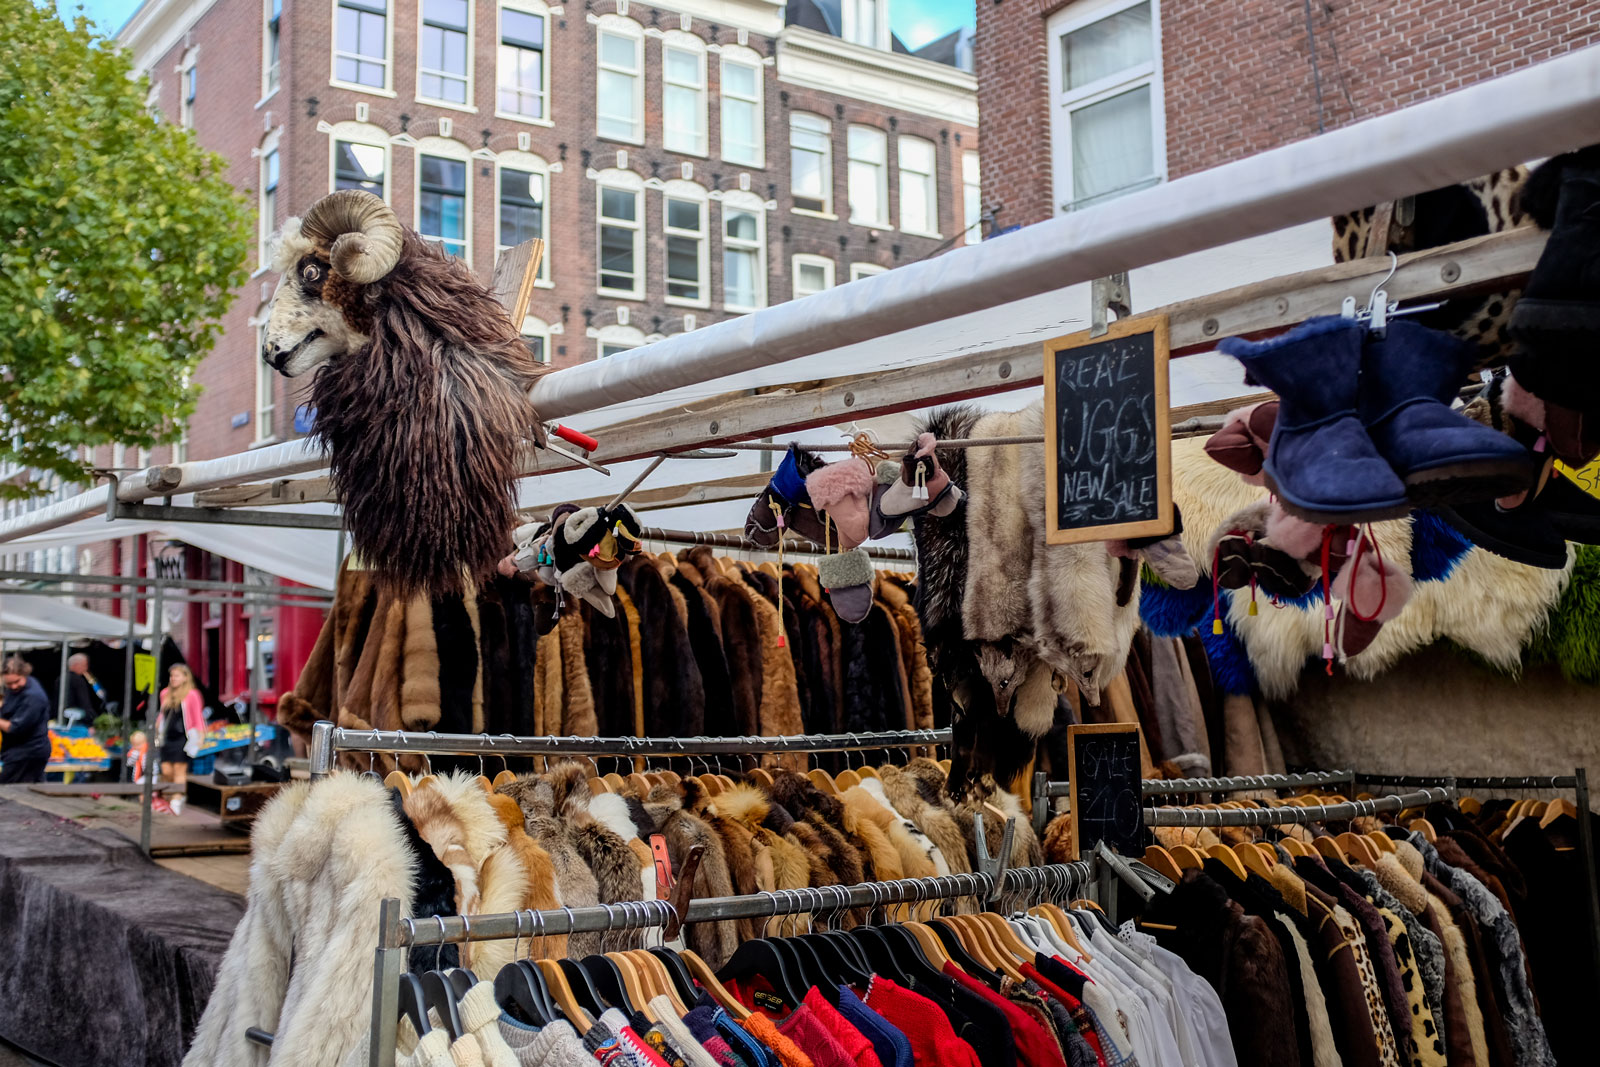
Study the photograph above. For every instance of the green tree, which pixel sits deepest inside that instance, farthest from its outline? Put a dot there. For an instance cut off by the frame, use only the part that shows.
(121, 245)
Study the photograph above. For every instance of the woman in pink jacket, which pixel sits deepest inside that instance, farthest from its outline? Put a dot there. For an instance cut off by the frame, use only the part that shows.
(181, 726)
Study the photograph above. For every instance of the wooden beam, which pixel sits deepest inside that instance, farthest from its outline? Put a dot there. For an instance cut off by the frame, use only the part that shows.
(515, 271)
(265, 494)
(738, 487)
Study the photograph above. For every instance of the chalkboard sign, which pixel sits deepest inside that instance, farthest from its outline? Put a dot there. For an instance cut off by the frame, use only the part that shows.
(1107, 804)
(1108, 441)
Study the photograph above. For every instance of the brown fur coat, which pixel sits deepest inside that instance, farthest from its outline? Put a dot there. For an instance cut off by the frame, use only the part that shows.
(714, 942)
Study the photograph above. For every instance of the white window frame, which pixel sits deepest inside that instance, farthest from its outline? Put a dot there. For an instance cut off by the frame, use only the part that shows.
(267, 216)
(540, 10)
(931, 178)
(809, 122)
(751, 204)
(180, 447)
(804, 259)
(865, 270)
(188, 90)
(618, 26)
(875, 35)
(535, 327)
(971, 198)
(529, 163)
(625, 181)
(266, 384)
(698, 142)
(1062, 103)
(736, 56)
(690, 192)
(366, 135)
(387, 88)
(471, 83)
(271, 30)
(881, 138)
(623, 338)
(445, 148)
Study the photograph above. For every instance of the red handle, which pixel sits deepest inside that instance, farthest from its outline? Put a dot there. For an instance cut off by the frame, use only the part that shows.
(576, 437)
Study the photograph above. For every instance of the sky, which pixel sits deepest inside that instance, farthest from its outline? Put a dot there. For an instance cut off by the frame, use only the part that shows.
(916, 21)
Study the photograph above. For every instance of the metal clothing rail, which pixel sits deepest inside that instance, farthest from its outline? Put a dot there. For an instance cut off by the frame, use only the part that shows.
(791, 544)
(327, 740)
(1044, 789)
(1292, 815)
(1558, 781)
(396, 933)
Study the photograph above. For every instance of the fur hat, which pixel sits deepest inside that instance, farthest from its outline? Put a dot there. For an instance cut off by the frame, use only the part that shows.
(843, 493)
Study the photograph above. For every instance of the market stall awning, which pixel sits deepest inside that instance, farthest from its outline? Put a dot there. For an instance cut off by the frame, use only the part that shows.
(48, 620)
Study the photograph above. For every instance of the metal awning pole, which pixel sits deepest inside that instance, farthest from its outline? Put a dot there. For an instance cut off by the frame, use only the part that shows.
(61, 681)
(153, 743)
(128, 606)
(255, 676)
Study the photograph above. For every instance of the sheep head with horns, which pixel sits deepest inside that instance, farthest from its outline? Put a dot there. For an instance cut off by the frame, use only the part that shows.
(420, 390)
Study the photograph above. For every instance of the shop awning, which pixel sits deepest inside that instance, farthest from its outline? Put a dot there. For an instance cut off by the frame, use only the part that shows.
(47, 620)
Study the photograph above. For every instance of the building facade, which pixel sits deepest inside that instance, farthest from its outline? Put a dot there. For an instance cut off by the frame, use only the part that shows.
(1122, 94)
(685, 162)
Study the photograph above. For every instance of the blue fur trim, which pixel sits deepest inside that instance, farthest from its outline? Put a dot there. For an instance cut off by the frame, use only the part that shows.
(1230, 665)
(1169, 612)
(1436, 547)
(789, 483)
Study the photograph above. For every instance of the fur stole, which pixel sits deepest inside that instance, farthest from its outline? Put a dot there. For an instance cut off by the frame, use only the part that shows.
(713, 942)
(545, 823)
(452, 815)
(503, 880)
(541, 893)
(749, 806)
(869, 822)
(577, 716)
(931, 818)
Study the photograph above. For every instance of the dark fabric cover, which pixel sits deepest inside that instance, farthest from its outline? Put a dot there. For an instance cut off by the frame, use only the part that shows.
(109, 959)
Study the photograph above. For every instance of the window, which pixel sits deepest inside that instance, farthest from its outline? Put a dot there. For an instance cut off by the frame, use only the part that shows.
(743, 139)
(442, 203)
(621, 242)
(683, 94)
(536, 335)
(180, 449)
(869, 176)
(266, 388)
(522, 67)
(971, 198)
(522, 190)
(614, 348)
(744, 253)
(861, 24)
(617, 339)
(191, 88)
(864, 270)
(269, 61)
(442, 58)
(919, 187)
(360, 166)
(810, 163)
(619, 104)
(269, 205)
(685, 226)
(812, 274)
(1107, 130)
(361, 50)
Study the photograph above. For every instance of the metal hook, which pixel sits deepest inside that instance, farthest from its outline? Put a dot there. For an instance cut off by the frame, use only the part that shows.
(516, 942)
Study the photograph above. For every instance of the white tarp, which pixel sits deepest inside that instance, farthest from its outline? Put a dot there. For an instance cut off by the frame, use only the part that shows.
(52, 619)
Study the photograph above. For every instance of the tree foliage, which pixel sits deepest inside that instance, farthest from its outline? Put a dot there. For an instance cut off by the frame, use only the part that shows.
(121, 245)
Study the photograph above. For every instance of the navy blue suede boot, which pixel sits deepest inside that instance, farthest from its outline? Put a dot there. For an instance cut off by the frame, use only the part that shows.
(1408, 378)
(1320, 462)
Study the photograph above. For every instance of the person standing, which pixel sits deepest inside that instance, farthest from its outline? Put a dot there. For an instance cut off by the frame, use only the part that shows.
(25, 722)
(83, 692)
(180, 728)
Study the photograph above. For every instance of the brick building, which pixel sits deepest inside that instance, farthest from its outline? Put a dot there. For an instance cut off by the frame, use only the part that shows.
(1120, 94)
(685, 161)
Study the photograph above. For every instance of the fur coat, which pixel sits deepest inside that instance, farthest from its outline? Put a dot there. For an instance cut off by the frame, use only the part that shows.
(714, 942)
(548, 826)
(704, 628)
(452, 814)
(323, 855)
(913, 655)
(670, 691)
(540, 892)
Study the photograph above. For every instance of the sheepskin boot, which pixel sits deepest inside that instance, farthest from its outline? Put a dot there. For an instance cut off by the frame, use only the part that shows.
(922, 486)
(1523, 535)
(847, 576)
(784, 504)
(1557, 321)
(1408, 378)
(843, 493)
(1320, 463)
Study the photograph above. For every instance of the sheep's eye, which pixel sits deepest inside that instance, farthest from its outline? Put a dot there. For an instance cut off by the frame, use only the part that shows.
(1004, 682)
(312, 273)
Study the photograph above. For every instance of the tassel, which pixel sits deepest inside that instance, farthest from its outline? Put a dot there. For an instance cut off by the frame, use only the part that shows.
(1327, 599)
(1252, 609)
(1216, 591)
(783, 638)
(778, 514)
(1216, 627)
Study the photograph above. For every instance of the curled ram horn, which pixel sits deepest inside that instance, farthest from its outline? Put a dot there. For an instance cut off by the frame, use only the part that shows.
(360, 232)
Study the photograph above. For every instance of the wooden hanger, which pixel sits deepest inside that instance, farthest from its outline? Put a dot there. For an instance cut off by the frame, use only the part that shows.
(1470, 805)
(641, 785)
(632, 984)
(1295, 847)
(659, 981)
(598, 786)
(398, 780)
(708, 981)
(1005, 937)
(1229, 859)
(502, 778)
(617, 783)
(1558, 807)
(1187, 858)
(847, 779)
(1382, 842)
(761, 777)
(823, 781)
(1355, 847)
(1066, 928)
(867, 772)
(1425, 828)
(561, 992)
(944, 765)
(1252, 859)
(1329, 848)
(1160, 860)
(931, 946)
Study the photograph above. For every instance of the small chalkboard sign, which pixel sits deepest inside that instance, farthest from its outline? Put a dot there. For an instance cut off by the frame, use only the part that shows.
(1107, 802)
(1108, 441)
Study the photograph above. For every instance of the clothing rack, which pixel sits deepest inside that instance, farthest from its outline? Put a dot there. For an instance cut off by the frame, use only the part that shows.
(327, 740)
(791, 543)
(1290, 815)
(1044, 789)
(396, 934)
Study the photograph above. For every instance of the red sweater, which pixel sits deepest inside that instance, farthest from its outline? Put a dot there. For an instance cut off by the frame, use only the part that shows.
(1035, 1048)
(855, 1043)
(933, 1041)
(1071, 1003)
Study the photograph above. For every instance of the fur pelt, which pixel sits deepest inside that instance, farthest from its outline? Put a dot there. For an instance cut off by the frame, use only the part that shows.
(825, 814)
(931, 818)
(738, 846)
(419, 675)
(1486, 604)
(779, 710)
(1025, 847)
(434, 893)
(578, 717)
(869, 821)
(322, 855)
(615, 866)
(453, 816)
(541, 893)
(912, 650)
(748, 805)
(1058, 844)
(544, 822)
(503, 880)
(714, 942)
(424, 425)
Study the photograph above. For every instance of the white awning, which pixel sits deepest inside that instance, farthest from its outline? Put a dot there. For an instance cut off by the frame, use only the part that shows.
(48, 620)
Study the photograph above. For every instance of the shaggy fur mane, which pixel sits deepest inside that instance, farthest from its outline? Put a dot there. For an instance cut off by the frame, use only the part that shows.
(423, 426)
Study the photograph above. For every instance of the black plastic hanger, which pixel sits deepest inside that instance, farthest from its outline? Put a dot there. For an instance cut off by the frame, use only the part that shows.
(880, 956)
(814, 973)
(908, 950)
(607, 977)
(413, 1003)
(514, 990)
(851, 947)
(687, 990)
(959, 953)
(438, 995)
(541, 990)
(583, 988)
(461, 980)
(841, 966)
(760, 957)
